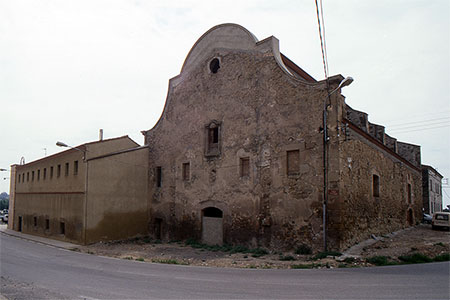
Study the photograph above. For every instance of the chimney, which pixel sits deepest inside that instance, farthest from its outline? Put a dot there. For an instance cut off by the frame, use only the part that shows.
(100, 135)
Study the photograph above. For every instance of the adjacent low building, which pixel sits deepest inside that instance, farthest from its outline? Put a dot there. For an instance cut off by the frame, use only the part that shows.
(432, 190)
(92, 192)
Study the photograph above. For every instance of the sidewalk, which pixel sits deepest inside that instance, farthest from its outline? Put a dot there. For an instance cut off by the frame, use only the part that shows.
(37, 239)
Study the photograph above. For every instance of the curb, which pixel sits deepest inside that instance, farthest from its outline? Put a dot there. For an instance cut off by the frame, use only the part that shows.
(38, 239)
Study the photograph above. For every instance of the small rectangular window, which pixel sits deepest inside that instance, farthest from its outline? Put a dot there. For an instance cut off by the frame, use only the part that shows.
(293, 162)
(38, 175)
(75, 167)
(47, 224)
(158, 176)
(244, 166)
(32, 175)
(66, 172)
(186, 171)
(51, 172)
(58, 171)
(28, 176)
(376, 185)
(35, 221)
(45, 174)
(431, 185)
(19, 177)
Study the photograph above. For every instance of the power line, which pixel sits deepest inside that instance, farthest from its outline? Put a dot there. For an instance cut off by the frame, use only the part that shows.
(322, 38)
(421, 129)
(419, 122)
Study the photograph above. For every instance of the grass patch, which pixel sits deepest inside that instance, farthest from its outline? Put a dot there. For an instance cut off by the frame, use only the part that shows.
(256, 252)
(303, 250)
(140, 259)
(168, 261)
(321, 255)
(381, 261)
(306, 266)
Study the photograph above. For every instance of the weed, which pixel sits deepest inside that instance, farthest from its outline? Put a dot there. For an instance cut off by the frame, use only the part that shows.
(306, 266)
(90, 252)
(258, 252)
(128, 258)
(349, 260)
(414, 249)
(303, 249)
(140, 259)
(439, 244)
(75, 249)
(287, 258)
(321, 255)
(168, 261)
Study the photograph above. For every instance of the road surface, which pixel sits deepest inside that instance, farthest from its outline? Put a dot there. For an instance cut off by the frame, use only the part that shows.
(30, 270)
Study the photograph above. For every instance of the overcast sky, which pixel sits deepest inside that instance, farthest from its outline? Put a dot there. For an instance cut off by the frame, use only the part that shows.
(69, 68)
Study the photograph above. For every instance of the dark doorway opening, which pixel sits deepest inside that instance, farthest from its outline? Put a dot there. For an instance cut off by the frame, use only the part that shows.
(158, 228)
(212, 212)
(20, 224)
(410, 217)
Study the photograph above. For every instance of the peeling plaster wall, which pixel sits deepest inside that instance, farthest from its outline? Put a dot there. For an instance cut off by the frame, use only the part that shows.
(263, 113)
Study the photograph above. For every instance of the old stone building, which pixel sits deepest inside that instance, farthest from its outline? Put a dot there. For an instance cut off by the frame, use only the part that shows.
(239, 155)
(432, 190)
(92, 192)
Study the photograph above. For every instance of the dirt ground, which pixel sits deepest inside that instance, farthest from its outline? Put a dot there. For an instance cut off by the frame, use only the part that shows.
(419, 239)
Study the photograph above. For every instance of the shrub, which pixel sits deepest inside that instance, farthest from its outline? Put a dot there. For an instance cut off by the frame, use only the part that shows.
(303, 249)
(380, 261)
(442, 257)
(287, 258)
(415, 258)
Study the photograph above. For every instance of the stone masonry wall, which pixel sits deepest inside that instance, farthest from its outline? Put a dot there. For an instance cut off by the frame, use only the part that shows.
(363, 213)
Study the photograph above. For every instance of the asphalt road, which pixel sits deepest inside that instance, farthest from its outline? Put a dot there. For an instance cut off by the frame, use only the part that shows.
(31, 270)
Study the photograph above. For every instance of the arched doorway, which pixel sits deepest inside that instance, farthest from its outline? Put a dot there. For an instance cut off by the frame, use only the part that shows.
(212, 226)
(410, 217)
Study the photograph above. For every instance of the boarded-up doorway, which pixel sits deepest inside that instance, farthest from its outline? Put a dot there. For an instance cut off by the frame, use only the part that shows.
(212, 226)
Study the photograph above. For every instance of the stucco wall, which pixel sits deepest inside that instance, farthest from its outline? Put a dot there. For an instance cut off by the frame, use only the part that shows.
(56, 198)
(117, 206)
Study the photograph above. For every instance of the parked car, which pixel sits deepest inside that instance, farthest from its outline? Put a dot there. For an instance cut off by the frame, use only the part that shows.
(441, 220)
(427, 218)
(4, 218)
